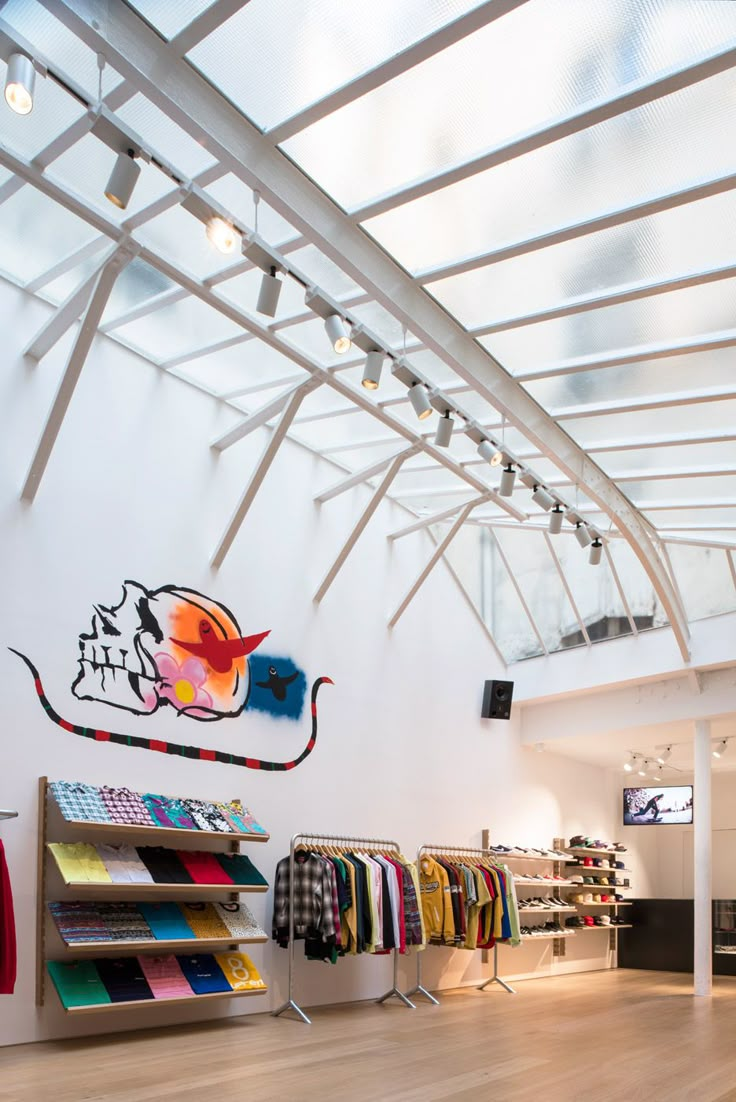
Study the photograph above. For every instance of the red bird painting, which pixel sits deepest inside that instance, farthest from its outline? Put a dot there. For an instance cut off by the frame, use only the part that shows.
(220, 654)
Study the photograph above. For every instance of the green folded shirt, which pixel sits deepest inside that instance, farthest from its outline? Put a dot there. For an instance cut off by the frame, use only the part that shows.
(78, 983)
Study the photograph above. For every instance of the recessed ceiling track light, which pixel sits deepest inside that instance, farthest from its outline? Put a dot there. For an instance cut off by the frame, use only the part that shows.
(123, 179)
(20, 83)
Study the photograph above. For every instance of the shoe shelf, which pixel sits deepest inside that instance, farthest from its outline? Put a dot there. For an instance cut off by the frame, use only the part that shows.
(123, 948)
(613, 926)
(592, 851)
(102, 831)
(547, 910)
(527, 882)
(614, 904)
(525, 857)
(96, 1008)
(596, 870)
(548, 937)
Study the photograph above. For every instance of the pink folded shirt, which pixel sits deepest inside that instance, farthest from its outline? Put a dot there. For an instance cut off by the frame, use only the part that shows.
(165, 977)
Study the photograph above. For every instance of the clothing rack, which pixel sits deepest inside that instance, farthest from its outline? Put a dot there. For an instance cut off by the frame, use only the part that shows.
(347, 841)
(8, 815)
(431, 850)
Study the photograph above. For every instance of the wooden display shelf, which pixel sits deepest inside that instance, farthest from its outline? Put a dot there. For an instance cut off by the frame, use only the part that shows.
(87, 888)
(547, 937)
(593, 851)
(197, 945)
(96, 1008)
(162, 834)
(543, 883)
(547, 910)
(613, 904)
(524, 857)
(596, 870)
(617, 926)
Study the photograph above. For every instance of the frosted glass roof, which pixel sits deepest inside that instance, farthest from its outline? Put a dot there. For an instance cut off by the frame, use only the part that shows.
(568, 199)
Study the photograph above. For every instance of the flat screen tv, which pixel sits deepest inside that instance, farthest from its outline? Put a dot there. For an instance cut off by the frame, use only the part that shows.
(658, 805)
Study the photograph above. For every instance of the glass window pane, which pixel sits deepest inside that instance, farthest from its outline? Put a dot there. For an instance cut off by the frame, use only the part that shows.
(680, 491)
(237, 198)
(678, 141)
(182, 239)
(63, 285)
(272, 63)
(540, 583)
(246, 365)
(165, 137)
(649, 461)
(174, 330)
(505, 81)
(137, 283)
(688, 419)
(689, 520)
(704, 580)
(640, 595)
(170, 16)
(354, 428)
(56, 234)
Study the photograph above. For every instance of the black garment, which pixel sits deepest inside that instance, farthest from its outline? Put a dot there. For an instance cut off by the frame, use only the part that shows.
(387, 933)
(457, 919)
(361, 915)
(164, 865)
(123, 979)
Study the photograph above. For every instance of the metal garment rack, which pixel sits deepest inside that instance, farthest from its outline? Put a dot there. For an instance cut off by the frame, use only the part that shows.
(348, 842)
(8, 815)
(460, 851)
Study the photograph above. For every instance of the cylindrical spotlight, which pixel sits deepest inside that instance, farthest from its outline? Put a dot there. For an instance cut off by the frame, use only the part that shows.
(508, 478)
(542, 498)
(665, 755)
(268, 296)
(20, 83)
(555, 520)
(582, 535)
(596, 551)
(644, 769)
(445, 425)
(372, 370)
(719, 748)
(123, 179)
(629, 765)
(222, 235)
(487, 450)
(338, 334)
(420, 401)
(497, 458)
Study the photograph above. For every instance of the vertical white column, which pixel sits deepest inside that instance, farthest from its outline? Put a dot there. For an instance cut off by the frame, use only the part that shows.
(703, 978)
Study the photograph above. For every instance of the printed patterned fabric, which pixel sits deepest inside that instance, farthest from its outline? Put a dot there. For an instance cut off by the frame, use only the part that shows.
(79, 801)
(239, 971)
(124, 806)
(79, 922)
(204, 920)
(207, 817)
(239, 920)
(241, 819)
(124, 922)
(165, 977)
(167, 812)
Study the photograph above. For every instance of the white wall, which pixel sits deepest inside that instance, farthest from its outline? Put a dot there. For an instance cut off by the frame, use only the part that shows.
(133, 491)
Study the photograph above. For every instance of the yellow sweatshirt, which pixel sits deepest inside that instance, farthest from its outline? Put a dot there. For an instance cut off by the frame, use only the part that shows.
(436, 902)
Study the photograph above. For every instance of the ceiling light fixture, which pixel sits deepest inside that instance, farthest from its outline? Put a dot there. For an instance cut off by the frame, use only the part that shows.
(719, 748)
(20, 83)
(596, 552)
(543, 498)
(222, 235)
(665, 755)
(555, 520)
(372, 370)
(445, 425)
(338, 334)
(508, 478)
(123, 179)
(419, 399)
(644, 768)
(268, 296)
(582, 535)
(629, 765)
(487, 450)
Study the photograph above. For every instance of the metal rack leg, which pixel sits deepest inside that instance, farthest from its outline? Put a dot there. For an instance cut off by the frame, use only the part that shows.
(291, 1005)
(495, 978)
(419, 989)
(394, 993)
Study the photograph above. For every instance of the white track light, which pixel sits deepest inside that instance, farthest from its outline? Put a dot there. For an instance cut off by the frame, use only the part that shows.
(372, 370)
(665, 755)
(582, 535)
(420, 401)
(542, 498)
(445, 425)
(338, 334)
(20, 83)
(656, 775)
(629, 765)
(222, 235)
(508, 478)
(644, 769)
(123, 179)
(719, 748)
(487, 450)
(596, 552)
(555, 520)
(497, 458)
(268, 296)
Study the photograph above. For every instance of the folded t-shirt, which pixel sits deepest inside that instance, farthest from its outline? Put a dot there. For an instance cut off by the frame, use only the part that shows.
(165, 977)
(124, 865)
(164, 865)
(204, 868)
(240, 971)
(204, 974)
(241, 869)
(239, 920)
(78, 983)
(167, 812)
(124, 979)
(79, 862)
(166, 921)
(204, 920)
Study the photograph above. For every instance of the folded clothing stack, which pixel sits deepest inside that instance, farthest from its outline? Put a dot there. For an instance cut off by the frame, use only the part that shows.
(88, 803)
(132, 979)
(101, 864)
(80, 923)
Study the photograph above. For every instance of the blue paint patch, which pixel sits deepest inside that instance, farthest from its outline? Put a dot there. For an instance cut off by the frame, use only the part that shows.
(273, 678)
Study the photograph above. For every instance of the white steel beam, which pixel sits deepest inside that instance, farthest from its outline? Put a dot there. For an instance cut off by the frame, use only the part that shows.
(205, 23)
(519, 594)
(394, 66)
(731, 566)
(566, 587)
(645, 92)
(256, 388)
(149, 306)
(65, 315)
(434, 558)
(207, 350)
(574, 230)
(360, 476)
(436, 518)
(266, 412)
(619, 587)
(472, 607)
(378, 495)
(65, 265)
(256, 479)
(104, 283)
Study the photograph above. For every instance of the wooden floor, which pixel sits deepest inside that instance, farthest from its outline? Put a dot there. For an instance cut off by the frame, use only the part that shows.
(608, 1037)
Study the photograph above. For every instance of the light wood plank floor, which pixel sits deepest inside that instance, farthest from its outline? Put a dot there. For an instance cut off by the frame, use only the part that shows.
(608, 1037)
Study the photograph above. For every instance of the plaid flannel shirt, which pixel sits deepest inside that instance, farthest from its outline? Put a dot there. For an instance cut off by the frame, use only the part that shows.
(79, 801)
(315, 912)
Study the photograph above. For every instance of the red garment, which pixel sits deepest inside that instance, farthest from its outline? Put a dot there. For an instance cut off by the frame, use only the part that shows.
(8, 962)
(204, 868)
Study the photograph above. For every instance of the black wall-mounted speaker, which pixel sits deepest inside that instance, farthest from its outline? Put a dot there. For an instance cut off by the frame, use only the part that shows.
(497, 699)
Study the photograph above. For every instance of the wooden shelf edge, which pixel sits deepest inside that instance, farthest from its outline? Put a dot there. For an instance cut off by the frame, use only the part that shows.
(91, 948)
(129, 829)
(87, 887)
(616, 926)
(97, 1008)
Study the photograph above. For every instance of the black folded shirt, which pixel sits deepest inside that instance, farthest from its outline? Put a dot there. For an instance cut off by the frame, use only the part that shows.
(164, 865)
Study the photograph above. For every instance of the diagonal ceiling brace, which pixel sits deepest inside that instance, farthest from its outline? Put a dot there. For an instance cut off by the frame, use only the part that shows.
(104, 284)
(65, 315)
(433, 560)
(262, 469)
(350, 542)
(262, 415)
(435, 518)
(361, 476)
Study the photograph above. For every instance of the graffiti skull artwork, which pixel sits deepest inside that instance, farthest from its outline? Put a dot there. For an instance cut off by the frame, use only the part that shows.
(167, 646)
(175, 648)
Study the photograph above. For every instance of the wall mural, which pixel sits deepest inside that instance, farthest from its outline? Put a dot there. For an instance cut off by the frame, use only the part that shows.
(176, 648)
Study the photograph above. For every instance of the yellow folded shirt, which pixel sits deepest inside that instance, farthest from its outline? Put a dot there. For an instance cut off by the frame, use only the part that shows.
(240, 972)
(80, 862)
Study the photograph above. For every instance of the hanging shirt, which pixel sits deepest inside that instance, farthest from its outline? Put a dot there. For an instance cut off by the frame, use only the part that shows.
(8, 965)
(436, 902)
(313, 914)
